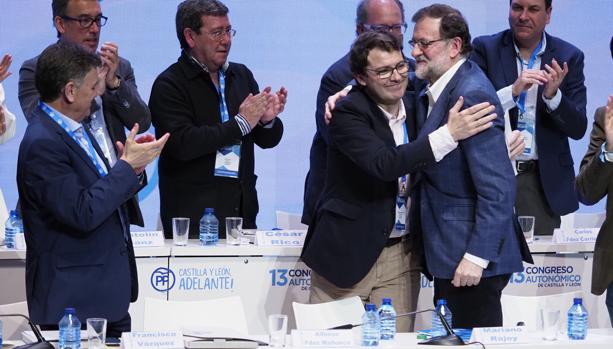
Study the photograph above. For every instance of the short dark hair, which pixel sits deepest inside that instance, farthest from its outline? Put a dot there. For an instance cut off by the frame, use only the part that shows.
(452, 24)
(60, 63)
(190, 12)
(547, 3)
(366, 42)
(58, 9)
(361, 13)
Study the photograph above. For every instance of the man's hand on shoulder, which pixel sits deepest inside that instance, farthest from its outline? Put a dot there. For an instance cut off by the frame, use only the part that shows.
(331, 103)
(470, 121)
(138, 153)
(467, 274)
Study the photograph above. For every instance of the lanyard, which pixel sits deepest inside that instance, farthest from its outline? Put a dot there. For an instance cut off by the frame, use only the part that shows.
(521, 103)
(223, 107)
(91, 152)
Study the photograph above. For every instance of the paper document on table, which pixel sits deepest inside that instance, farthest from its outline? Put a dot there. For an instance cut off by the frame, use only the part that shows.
(50, 336)
(210, 333)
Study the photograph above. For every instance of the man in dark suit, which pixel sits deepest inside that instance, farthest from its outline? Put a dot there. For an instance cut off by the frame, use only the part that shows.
(119, 107)
(540, 82)
(80, 252)
(593, 184)
(377, 15)
(465, 204)
(216, 113)
(357, 243)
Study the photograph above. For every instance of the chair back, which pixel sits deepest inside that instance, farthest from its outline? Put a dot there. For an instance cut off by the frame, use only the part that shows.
(221, 313)
(14, 326)
(527, 309)
(327, 315)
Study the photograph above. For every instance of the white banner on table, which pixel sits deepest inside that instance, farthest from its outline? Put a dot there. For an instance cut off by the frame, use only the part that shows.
(500, 335)
(280, 237)
(577, 235)
(147, 238)
(152, 339)
(322, 338)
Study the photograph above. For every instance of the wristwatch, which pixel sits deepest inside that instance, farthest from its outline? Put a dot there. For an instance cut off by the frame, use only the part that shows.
(117, 84)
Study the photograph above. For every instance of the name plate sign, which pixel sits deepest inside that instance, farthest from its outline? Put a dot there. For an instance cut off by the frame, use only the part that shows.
(280, 237)
(152, 340)
(577, 235)
(322, 338)
(500, 335)
(147, 238)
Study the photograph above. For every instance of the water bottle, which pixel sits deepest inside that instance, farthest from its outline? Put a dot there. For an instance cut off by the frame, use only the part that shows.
(209, 228)
(387, 313)
(70, 330)
(11, 228)
(577, 320)
(438, 329)
(371, 326)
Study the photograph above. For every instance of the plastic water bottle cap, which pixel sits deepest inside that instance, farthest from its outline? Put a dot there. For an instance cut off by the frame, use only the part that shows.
(577, 300)
(370, 307)
(209, 210)
(69, 311)
(441, 302)
(387, 301)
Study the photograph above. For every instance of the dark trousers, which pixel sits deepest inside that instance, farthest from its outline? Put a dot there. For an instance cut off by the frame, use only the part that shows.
(113, 329)
(473, 306)
(531, 201)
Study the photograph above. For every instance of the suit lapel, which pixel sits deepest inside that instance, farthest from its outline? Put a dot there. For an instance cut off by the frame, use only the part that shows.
(508, 59)
(71, 143)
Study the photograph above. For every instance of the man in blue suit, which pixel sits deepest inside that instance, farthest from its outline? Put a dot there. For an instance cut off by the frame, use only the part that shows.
(73, 202)
(465, 209)
(539, 79)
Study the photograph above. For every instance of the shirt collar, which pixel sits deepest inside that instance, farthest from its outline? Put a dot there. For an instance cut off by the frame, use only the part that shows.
(72, 125)
(434, 91)
(402, 114)
(541, 51)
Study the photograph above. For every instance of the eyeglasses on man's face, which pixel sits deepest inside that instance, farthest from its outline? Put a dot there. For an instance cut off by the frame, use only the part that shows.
(423, 44)
(87, 21)
(396, 28)
(220, 33)
(385, 73)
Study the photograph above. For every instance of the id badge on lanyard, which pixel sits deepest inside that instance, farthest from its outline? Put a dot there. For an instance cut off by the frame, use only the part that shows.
(401, 197)
(524, 124)
(227, 159)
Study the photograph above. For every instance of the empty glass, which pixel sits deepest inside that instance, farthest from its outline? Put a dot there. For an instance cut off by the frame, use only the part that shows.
(550, 320)
(277, 328)
(234, 227)
(180, 230)
(96, 333)
(527, 227)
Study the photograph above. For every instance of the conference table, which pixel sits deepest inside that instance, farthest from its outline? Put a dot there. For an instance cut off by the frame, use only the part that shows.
(269, 278)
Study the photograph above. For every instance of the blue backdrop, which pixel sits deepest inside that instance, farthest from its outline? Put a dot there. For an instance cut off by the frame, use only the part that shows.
(284, 42)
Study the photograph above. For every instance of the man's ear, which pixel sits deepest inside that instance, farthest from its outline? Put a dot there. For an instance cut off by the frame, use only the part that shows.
(456, 47)
(188, 35)
(361, 79)
(69, 92)
(58, 22)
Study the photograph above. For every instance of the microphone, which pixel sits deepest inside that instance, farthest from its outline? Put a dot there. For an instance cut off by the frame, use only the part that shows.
(41, 344)
(449, 339)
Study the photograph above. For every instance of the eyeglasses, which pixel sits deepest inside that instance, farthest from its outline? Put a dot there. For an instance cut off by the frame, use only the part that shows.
(423, 44)
(219, 34)
(396, 28)
(87, 21)
(385, 73)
